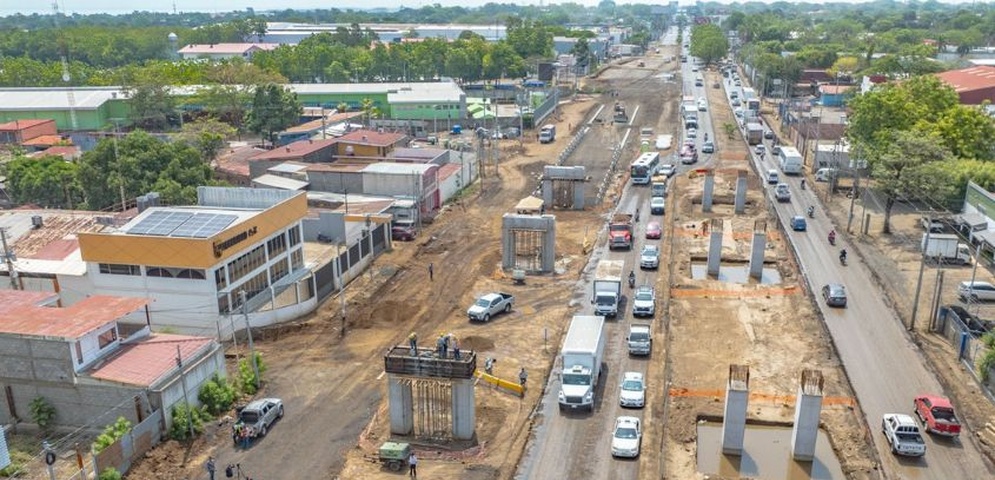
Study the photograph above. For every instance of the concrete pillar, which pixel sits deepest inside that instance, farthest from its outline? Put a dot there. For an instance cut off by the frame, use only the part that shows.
(549, 243)
(547, 192)
(741, 192)
(580, 190)
(706, 195)
(715, 246)
(464, 410)
(399, 401)
(808, 406)
(734, 416)
(757, 252)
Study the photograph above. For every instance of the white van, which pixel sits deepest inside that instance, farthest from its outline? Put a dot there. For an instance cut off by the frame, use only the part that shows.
(772, 177)
(791, 161)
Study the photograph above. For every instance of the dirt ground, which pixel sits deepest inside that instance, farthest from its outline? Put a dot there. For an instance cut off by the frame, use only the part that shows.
(772, 328)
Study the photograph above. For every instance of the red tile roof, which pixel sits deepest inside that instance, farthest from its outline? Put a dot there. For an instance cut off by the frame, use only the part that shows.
(371, 137)
(57, 249)
(295, 150)
(227, 48)
(25, 317)
(969, 79)
(146, 361)
(45, 140)
(236, 160)
(67, 152)
(448, 170)
(22, 124)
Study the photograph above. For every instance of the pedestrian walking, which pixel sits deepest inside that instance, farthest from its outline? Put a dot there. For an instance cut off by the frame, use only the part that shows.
(413, 341)
(210, 467)
(522, 376)
(431, 272)
(413, 465)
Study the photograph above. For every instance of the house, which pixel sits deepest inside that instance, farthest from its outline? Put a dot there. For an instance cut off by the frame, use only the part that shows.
(307, 151)
(20, 131)
(68, 153)
(973, 85)
(232, 165)
(221, 51)
(400, 180)
(83, 363)
(370, 143)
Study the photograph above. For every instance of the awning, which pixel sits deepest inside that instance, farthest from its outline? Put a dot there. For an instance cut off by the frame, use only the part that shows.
(971, 219)
(276, 181)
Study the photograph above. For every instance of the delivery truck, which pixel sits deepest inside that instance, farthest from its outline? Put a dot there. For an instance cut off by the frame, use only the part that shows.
(946, 248)
(581, 362)
(607, 287)
(754, 133)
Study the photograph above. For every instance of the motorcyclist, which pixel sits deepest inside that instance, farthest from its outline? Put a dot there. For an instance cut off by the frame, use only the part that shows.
(843, 255)
(832, 237)
(803, 184)
(632, 279)
(811, 211)
(637, 214)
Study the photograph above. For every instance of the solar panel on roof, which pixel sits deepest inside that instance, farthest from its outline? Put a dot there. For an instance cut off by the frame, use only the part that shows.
(148, 223)
(190, 227)
(204, 225)
(170, 223)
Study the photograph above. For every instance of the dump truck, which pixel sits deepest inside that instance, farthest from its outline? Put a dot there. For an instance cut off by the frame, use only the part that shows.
(582, 356)
(754, 133)
(946, 248)
(607, 287)
(620, 231)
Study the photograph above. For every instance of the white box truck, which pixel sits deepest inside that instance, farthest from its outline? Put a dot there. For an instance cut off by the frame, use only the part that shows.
(946, 247)
(790, 160)
(547, 134)
(582, 356)
(607, 287)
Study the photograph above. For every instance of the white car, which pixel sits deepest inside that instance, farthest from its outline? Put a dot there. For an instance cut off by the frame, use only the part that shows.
(633, 392)
(658, 205)
(644, 302)
(668, 169)
(692, 132)
(982, 291)
(627, 437)
(649, 257)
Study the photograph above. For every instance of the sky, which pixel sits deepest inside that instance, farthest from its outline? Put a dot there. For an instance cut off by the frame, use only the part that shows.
(9, 7)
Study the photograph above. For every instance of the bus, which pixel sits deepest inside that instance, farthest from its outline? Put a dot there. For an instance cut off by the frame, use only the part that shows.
(644, 168)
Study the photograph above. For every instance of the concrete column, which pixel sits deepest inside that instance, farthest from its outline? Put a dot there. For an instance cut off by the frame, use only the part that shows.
(734, 416)
(757, 252)
(580, 190)
(549, 243)
(715, 246)
(706, 195)
(399, 401)
(464, 410)
(808, 406)
(547, 192)
(741, 192)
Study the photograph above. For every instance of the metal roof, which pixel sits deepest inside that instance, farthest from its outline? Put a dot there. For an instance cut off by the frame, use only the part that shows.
(86, 98)
(276, 181)
(399, 168)
(150, 359)
(31, 319)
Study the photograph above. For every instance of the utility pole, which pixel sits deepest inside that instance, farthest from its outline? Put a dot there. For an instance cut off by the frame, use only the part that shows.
(124, 203)
(922, 267)
(341, 275)
(186, 399)
(9, 257)
(248, 331)
(853, 194)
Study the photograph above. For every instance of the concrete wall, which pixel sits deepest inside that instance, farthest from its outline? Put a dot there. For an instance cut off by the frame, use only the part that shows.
(170, 393)
(335, 182)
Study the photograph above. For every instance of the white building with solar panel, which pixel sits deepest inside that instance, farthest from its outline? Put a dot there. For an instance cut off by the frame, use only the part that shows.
(197, 263)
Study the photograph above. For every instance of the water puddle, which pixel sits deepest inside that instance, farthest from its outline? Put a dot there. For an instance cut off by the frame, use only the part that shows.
(766, 455)
(737, 273)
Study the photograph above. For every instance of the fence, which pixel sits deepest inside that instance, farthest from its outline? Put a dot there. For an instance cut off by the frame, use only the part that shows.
(951, 327)
(545, 108)
(133, 445)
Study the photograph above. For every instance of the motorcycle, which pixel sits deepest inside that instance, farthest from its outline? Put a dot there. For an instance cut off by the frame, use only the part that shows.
(632, 280)
(843, 258)
(811, 212)
(832, 238)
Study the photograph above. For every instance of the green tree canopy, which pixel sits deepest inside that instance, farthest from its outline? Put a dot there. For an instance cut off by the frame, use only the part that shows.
(708, 42)
(49, 181)
(274, 108)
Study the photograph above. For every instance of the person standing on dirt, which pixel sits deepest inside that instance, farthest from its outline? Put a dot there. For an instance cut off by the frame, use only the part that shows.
(431, 272)
(440, 346)
(210, 467)
(522, 377)
(413, 465)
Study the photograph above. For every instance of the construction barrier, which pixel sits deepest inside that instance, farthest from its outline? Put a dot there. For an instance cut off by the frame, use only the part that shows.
(510, 387)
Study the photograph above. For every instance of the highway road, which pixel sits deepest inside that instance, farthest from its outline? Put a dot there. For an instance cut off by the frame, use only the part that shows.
(885, 368)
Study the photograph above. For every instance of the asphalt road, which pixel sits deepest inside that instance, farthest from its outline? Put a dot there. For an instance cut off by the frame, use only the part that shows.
(885, 369)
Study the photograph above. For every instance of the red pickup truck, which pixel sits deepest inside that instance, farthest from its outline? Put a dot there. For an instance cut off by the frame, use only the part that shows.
(937, 415)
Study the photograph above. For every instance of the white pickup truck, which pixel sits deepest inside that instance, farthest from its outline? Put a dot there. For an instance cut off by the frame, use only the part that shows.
(490, 304)
(903, 435)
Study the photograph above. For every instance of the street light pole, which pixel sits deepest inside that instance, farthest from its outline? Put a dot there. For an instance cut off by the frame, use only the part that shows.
(248, 331)
(922, 268)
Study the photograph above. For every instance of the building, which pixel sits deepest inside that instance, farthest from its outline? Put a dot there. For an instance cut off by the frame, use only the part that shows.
(293, 33)
(20, 131)
(370, 143)
(834, 95)
(200, 264)
(415, 181)
(93, 107)
(973, 85)
(307, 151)
(221, 51)
(82, 362)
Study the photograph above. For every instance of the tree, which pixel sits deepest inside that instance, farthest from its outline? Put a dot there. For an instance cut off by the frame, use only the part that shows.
(49, 182)
(153, 106)
(900, 172)
(274, 108)
(207, 135)
(140, 163)
(370, 110)
(708, 42)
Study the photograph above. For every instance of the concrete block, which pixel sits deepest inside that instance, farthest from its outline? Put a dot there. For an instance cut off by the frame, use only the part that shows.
(808, 408)
(734, 417)
(741, 192)
(715, 246)
(758, 247)
(401, 406)
(464, 409)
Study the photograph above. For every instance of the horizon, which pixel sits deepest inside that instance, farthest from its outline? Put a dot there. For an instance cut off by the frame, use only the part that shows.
(114, 7)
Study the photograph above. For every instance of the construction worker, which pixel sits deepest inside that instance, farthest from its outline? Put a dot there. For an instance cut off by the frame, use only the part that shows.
(413, 341)
(489, 365)
(522, 376)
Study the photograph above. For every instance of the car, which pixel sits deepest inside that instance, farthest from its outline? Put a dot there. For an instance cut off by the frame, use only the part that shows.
(644, 302)
(668, 169)
(649, 257)
(782, 193)
(708, 147)
(259, 415)
(761, 149)
(633, 390)
(937, 415)
(658, 205)
(692, 133)
(798, 223)
(903, 435)
(653, 230)
(716, 85)
(769, 134)
(932, 224)
(627, 437)
(702, 107)
(738, 83)
(738, 111)
(734, 95)
(772, 177)
(975, 325)
(699, 82)
(775, 150)
(823, 174)
(694, 68)
(834, 294)
(977, 291)
(403, 232)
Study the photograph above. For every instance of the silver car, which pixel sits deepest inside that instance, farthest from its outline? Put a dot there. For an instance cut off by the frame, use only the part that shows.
(649, 257)
(978, 291)
(260, 415)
